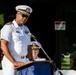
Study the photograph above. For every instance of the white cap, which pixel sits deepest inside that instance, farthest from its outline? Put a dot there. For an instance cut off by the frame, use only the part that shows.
(25, 9)
(36, 43)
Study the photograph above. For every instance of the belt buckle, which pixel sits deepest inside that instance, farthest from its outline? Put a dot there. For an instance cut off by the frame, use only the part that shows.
(22, 57)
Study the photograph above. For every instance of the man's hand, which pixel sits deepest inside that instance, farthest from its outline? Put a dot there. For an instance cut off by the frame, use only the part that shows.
(18, 64)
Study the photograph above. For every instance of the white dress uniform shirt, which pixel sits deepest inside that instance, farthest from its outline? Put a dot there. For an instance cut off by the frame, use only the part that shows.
(39, 59)
(18, 44)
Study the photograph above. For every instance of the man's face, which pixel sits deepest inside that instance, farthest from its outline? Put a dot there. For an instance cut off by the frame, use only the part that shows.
(21, 18)
(35, 53)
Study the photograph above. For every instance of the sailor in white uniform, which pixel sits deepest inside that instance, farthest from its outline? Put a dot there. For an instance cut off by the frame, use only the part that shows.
(15, 40)
(35, 46)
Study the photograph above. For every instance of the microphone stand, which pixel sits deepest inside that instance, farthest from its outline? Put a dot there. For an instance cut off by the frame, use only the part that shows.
(55, 67)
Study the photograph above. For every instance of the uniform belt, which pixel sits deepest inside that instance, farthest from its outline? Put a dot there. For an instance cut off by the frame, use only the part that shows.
(22, 57)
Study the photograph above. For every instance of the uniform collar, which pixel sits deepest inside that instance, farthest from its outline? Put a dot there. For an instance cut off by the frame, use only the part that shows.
(15, 24)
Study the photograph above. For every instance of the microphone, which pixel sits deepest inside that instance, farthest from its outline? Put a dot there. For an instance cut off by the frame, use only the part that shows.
(27, 32)
(30, 34)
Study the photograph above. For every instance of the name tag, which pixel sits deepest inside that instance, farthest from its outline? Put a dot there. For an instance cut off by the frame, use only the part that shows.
(17, 32)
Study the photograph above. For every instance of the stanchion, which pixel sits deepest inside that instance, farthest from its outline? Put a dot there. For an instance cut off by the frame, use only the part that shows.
(54, 65)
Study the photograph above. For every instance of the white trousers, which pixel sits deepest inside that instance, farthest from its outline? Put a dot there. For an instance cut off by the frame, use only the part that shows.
(8, 67)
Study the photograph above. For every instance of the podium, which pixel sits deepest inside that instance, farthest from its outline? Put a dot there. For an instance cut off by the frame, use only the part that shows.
(35, 68)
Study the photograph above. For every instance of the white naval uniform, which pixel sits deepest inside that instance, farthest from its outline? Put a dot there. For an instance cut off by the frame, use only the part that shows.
(38, 58)
(18, 43)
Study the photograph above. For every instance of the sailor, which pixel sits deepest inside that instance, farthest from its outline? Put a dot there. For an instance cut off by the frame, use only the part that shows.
(15, 41)
(36, 47)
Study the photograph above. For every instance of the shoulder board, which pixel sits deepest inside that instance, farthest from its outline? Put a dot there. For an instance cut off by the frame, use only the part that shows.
(8, 23)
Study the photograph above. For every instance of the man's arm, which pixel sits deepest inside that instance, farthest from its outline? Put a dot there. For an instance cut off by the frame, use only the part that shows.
(5, 49)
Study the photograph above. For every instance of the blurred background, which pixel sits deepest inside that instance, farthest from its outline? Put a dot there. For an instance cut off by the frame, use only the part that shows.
(58, 44)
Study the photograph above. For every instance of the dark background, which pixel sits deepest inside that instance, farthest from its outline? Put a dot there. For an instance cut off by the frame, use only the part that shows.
(41, 24)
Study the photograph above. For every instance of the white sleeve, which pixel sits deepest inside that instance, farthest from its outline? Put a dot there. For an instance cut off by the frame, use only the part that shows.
(6, 33)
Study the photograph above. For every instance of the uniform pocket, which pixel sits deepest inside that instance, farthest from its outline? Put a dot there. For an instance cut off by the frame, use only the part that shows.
(16, 36)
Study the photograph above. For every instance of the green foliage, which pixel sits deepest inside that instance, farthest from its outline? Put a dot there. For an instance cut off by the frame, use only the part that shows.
(1, 19)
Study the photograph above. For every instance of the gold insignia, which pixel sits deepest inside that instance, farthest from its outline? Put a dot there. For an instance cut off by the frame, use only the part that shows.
(8, 23)
(24, 12)
(28, 10)
(34, 46)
